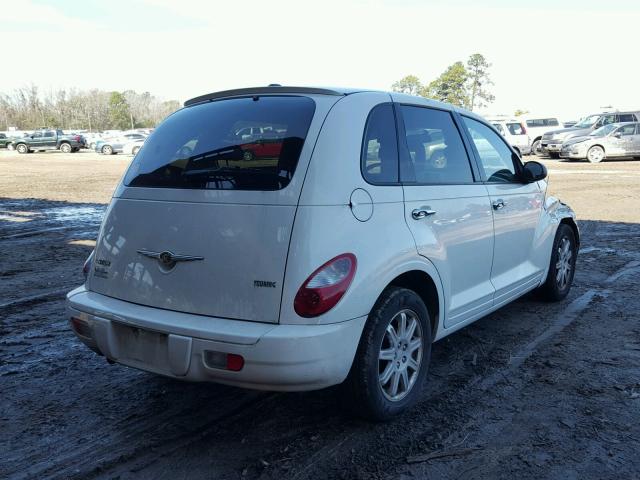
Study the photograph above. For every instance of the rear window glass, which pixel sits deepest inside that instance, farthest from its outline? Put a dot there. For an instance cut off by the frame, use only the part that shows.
(236, 144)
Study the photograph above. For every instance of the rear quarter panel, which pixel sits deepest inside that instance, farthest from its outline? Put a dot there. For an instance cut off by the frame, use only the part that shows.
(325, 226)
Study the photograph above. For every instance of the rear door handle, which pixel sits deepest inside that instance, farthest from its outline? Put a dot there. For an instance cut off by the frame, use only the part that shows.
(422, 212)
(499, 204)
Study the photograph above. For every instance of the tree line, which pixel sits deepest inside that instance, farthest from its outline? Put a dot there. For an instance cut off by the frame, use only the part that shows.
(28, 108)
(464, 85)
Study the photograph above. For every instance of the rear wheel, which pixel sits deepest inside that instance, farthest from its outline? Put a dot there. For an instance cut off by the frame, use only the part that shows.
(562, 265)
(65, 148)
(107, 150)
(393, 356)
(22, 148)
(595, 154)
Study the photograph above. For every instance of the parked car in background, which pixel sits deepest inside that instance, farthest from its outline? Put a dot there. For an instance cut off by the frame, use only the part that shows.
(4, 140)
(515, 133)
(45, 139)
(92, 139)
(612, 140)
(109, 146)
(389, 245)
(133, 147)
(552, 141)
(537, 126)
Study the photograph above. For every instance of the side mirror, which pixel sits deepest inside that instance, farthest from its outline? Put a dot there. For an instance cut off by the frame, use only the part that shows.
(533, 171)
(617, 134)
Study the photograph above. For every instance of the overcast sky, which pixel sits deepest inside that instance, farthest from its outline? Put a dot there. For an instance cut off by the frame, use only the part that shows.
(567, 57)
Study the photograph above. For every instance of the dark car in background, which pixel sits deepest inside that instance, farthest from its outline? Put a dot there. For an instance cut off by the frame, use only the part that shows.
(45, 139)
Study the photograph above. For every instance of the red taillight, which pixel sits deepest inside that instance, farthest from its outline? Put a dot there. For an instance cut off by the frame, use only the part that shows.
(222, 360)
(326, 286)
(234, 362)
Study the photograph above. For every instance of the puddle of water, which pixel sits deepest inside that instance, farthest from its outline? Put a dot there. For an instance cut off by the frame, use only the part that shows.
(84, 214)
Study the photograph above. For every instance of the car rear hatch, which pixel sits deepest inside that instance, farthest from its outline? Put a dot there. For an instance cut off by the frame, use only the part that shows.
(200, 225)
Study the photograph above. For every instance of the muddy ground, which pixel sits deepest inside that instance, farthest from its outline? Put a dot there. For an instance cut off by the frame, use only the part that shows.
(533, 391)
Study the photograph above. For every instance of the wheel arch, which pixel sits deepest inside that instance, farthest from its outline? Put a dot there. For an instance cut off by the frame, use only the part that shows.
(570, 221)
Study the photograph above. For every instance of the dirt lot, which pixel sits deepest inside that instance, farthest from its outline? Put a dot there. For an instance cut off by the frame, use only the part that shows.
(532, 391)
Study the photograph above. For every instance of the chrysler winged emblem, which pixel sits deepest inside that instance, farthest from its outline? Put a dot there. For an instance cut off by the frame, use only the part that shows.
(167, 259)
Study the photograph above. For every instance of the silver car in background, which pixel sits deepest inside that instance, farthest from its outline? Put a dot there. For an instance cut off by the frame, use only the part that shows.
(552, 141)
(612, 140)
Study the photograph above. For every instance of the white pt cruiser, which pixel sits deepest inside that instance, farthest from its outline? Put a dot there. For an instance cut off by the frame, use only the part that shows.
(335, 244)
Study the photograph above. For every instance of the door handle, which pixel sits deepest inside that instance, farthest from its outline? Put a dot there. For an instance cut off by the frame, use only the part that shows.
(423, 212)
(499, 204)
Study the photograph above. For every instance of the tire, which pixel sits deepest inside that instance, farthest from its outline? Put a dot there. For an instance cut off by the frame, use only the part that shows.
(11, 147)
(92, 146)
(65, 148)
(596, 154)
(554, 155)
(135, 151)
(536, 148)
(247, 156)
(22, 148)
(368, 394)
(554, 290)
(107, 150)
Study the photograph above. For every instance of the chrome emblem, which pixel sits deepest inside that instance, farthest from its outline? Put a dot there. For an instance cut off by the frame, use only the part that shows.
(167, 259)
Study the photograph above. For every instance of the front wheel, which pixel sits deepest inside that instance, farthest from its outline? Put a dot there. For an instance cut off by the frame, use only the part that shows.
(22, 148)
(595, 154)
(536, 148)
(393, 356)
(107, 150)
(562, 265)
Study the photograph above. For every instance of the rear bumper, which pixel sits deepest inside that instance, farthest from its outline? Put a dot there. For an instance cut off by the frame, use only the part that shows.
(276, 356)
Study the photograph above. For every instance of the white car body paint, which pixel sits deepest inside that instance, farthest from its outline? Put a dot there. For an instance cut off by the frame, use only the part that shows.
(478, 259)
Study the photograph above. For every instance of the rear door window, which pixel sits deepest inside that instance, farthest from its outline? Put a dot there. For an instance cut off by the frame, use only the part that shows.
(436, 153)
(206, 146)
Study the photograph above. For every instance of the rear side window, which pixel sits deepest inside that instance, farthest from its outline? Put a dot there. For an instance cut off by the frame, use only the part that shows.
(515, 129)
(436, 154)
(379, 158)
(626, 117)
(207, 147)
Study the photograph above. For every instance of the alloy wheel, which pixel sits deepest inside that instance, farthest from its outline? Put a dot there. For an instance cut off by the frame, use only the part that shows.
(595, 154)
(400, 355)
(564, 264)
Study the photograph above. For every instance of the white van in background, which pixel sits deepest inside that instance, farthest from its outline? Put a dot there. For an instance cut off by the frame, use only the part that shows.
(515, 133)
(537, 126)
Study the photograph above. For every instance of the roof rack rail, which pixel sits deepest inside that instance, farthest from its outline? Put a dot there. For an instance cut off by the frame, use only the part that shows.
(260, 91)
